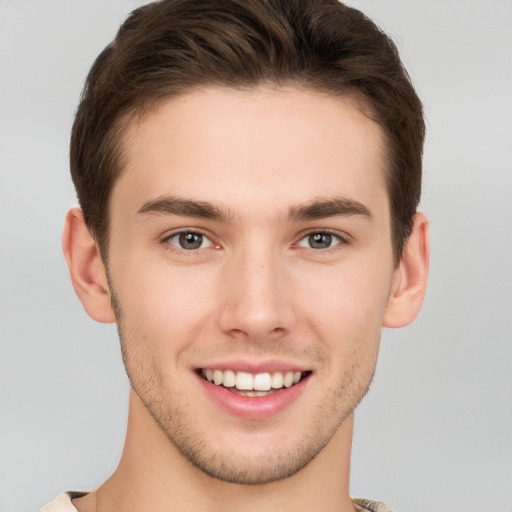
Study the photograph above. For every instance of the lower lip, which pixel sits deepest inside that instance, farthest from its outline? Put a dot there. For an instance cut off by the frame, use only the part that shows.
(257, 407)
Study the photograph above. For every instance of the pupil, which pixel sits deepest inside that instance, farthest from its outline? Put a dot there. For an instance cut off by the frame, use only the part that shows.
(190, 240)
(320, 240)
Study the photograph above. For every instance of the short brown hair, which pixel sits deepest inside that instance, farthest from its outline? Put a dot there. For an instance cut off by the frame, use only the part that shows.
(171, 46)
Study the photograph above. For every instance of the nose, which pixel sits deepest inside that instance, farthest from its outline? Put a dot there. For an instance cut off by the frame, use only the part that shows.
(256, 296)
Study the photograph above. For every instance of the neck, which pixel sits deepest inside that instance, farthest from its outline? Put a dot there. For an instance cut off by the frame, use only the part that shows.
(153, 476)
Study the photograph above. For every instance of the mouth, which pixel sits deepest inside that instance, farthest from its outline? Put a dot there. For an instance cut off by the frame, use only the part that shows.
(252, 385)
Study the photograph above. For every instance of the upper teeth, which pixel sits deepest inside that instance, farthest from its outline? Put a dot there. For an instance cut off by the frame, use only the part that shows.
(247, 381)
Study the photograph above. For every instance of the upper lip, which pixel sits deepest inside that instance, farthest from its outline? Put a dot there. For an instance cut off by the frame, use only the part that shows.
(255, 367)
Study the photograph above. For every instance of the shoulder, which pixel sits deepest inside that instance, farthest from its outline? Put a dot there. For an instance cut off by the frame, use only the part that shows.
(372, 506)
(62, 503)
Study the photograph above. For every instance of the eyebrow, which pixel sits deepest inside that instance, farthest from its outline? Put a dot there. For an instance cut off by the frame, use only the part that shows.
(324, 208)
(317, 209)
(173, 205)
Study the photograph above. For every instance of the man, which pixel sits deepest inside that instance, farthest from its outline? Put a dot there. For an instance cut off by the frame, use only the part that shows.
(248, 174)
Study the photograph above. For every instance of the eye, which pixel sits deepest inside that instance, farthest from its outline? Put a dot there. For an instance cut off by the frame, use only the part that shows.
(189, 241)
(320, 240)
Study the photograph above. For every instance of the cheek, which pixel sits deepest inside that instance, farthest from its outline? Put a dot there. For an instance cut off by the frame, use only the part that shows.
(346, 304)
(163, 303)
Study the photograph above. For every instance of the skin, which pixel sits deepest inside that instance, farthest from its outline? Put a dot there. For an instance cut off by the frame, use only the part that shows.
(257, 291)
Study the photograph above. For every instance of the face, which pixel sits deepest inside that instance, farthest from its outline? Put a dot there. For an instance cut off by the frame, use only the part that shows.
(251, 263)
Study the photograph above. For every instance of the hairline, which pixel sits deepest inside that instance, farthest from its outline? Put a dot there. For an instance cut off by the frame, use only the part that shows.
(126, 122)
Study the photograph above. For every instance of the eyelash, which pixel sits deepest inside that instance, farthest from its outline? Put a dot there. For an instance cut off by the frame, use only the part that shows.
(341, 240)
(181, 250)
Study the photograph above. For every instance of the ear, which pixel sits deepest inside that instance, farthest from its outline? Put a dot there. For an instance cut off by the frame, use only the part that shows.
(410, 279)
(86, 268)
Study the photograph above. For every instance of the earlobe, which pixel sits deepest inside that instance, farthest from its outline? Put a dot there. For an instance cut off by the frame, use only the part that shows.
(410, 279)
(86, 268)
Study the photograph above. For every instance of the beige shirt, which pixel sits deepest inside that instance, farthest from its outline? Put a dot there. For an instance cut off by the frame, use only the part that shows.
(62, 503)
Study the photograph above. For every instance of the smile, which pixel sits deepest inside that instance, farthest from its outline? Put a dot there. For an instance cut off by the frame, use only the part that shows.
(254, 385)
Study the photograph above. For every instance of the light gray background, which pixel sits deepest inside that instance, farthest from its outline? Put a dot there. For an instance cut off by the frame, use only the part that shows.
(435, 432)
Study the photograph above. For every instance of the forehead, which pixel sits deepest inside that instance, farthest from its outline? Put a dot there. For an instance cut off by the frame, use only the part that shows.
(266, 146)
